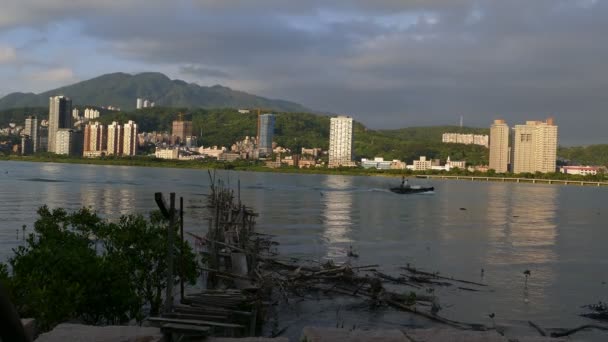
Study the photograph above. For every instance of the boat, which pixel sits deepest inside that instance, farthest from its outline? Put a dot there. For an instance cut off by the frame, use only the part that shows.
(411, 189)
(408, 189)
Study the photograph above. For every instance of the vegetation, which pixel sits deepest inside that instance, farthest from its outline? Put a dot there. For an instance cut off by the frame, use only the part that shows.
(80, 266)
(18, 115)
(585, 155)
(122, 90)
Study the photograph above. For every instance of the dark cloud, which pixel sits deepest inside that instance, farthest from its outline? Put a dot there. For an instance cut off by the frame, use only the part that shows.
(388, 62)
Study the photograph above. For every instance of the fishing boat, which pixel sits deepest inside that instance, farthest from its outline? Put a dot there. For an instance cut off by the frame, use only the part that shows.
(405, 188)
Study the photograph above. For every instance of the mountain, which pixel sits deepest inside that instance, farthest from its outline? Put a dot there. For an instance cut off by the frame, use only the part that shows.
(122, 90)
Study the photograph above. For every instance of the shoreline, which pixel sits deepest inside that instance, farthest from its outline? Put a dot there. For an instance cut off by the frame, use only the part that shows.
(248, 166)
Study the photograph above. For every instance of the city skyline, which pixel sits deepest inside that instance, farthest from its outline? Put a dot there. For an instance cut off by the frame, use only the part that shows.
(387, 64)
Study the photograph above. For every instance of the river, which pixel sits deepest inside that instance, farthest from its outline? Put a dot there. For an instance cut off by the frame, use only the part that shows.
(557, 232)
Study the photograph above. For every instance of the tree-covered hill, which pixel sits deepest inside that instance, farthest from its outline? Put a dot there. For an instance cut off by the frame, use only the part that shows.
(122, 90)
(585, 155)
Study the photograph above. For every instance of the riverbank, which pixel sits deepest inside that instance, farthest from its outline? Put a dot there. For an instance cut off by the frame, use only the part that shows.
(259, 166)
(517, 180)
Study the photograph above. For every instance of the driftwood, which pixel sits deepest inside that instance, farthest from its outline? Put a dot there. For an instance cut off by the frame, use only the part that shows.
(577, 329)
(233, 252)
(540, 330)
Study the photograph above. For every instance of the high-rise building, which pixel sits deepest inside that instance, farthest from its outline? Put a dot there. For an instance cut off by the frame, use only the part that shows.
(32, 130)
(341, 142)
(265, 134)
(64, 141)
(140, 103)
(60, 116)
(181, 130)
(535, 147)
(95, 139)
(75, 114)
(499, 146)
(146, 103)
(115, 139)
(26, 145)
(129, 138)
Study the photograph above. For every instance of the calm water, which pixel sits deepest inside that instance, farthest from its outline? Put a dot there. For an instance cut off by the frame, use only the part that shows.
(557, 232)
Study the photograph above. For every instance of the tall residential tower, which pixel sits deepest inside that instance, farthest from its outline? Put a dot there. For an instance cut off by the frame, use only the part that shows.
(499, 146)
(129, 138)
(32, 130)
(535, 147)
(60, 116)
(265, 134)
(341, 142)
(180, 130)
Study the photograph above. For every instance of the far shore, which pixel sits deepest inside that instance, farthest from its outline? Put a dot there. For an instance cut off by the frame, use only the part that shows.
(259, 167)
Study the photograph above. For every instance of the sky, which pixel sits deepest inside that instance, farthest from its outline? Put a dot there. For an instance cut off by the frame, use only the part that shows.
(387, 63)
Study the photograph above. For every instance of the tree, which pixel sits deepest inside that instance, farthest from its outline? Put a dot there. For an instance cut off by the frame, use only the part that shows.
(141, 246)
(80, 266)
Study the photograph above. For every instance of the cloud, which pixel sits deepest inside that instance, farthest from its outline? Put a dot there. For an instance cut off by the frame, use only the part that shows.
(387, 62)
(55, 76)
(202, 72)
(7, 54)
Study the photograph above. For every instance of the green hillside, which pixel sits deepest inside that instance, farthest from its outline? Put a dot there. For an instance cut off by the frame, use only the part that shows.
(585, 155)
(122, 90)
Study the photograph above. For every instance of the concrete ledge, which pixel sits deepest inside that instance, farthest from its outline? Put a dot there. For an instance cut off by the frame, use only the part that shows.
(29, 324)
(453, 335)
(247, 339)
(315, 334)
(86, 333)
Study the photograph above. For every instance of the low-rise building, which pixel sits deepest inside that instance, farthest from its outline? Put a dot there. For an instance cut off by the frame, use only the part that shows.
(422, 164)
(229, 156)
(582, 170)
(377, 163)
(167, 153)
(213, 152)
(398, 165)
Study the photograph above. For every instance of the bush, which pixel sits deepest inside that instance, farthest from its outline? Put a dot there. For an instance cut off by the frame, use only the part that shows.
(80, 266)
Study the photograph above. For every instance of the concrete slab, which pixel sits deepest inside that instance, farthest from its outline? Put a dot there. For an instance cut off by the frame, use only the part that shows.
(247, 339)
(29, 324)
(455, 335)
(316, 334)
(113, 333)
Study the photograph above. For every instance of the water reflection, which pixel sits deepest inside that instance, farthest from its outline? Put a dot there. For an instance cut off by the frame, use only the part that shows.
(337, 215)
(522, 219)
(110, 201)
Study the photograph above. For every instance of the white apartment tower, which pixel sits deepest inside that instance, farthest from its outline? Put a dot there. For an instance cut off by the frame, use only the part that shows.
(129, 138)
(499, 146)
(115, 139)
(64, 141)
(535, 147)
(140, 103)
(341, 142)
